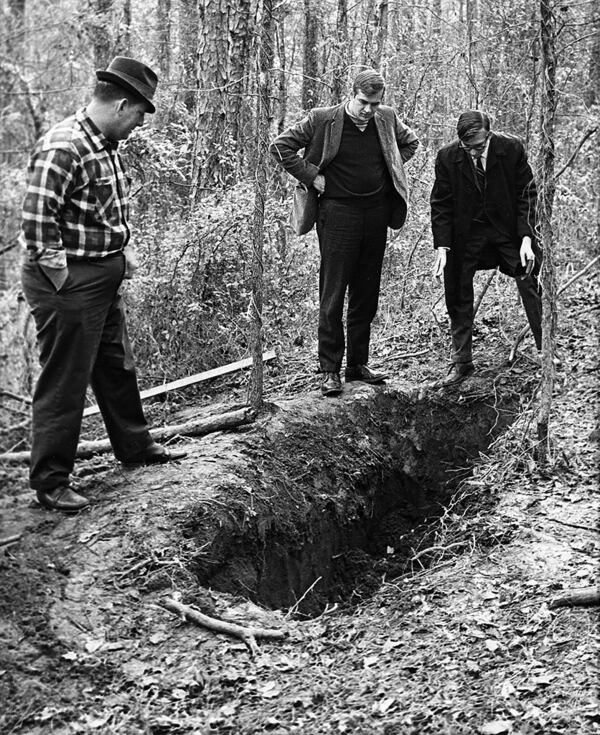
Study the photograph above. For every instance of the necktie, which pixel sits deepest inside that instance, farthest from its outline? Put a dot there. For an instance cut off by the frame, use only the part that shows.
(480, 172)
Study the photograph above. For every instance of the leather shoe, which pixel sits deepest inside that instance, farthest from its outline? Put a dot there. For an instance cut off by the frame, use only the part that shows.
(62, 498)
(331, 385)
(363, 373)
(155, 454)
(457, 373)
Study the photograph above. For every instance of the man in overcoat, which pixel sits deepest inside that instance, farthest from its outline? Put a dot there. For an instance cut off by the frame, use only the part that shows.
(483, 210)
(352, 183)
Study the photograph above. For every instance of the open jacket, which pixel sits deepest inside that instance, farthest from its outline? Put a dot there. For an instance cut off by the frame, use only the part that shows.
(509, 199)
(320, 133)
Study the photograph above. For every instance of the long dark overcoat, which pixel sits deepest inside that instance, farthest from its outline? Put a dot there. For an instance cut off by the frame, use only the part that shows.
(509, 199)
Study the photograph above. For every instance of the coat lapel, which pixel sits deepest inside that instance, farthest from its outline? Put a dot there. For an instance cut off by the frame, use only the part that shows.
(333, 137)
(466, 168)
(495, 152)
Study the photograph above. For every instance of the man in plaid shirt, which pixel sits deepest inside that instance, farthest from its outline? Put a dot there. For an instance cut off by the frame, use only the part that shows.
(76, 230)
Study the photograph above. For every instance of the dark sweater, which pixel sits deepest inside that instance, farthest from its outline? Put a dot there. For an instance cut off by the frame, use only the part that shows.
(358, 174)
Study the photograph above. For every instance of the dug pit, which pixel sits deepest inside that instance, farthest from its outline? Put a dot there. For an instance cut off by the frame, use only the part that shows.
(319, 491)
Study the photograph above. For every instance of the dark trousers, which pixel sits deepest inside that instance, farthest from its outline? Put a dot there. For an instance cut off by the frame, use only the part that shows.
(485, 249)
(82, 340)
(352, 243)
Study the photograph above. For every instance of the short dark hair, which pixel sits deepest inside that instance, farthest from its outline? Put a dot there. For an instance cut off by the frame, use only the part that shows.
(471, 122)
(368, 81)
(109, 92)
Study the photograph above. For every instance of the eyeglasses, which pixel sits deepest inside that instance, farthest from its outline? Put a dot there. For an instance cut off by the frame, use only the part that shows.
(475, 146)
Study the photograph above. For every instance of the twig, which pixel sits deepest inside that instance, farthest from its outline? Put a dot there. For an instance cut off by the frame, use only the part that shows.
(563, 288)
(248, 635)
(436, 548)
(405, 355)
(577, 598)
(408, 263)
(574, 525)
(296, 605)
(134, 568)
(7, 540)
(586, 135)
(16, 396)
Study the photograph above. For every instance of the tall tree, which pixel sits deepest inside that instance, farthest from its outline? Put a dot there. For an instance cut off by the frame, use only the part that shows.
(263, 123)
(341, 57)
(545, 208)
(163, 37)
(591, 95)
(240, 44)
(99, 31)
(311, 56)
(123, 41)
(188, 30)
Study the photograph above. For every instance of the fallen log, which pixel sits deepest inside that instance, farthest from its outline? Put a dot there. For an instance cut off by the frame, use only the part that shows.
(192, 379)
(586, 596)
(248, 635)
(196, 427)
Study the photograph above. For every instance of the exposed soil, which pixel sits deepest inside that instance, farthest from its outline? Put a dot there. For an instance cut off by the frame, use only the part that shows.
(437, 540)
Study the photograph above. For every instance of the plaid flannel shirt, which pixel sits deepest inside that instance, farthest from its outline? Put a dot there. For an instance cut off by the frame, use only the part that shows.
(76, 203)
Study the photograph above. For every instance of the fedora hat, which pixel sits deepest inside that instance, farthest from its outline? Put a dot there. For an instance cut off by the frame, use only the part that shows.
(133, 76)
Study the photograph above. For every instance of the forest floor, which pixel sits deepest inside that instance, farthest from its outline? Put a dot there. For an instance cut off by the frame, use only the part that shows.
(462, 641)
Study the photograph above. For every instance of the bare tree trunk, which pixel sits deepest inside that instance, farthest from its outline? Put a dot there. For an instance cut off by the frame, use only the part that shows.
(163, 40)
(263, 119)
(382, 33)
(311, 58)
(591, 93)
(282, 97)
(210, 145)
(188, 42)
(545, 205)
(123, 43)
(341, 56)
(240, 44)
(100, 32)
(471, 47)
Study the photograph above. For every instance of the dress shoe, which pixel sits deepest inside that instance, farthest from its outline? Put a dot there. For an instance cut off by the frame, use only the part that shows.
(155, 454)
(62, 498)
(457, 373)
(363, 373)
(331, 385)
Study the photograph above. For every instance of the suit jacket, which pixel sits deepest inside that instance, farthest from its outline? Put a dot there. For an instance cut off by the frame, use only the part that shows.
(320, 133)
(509, 200)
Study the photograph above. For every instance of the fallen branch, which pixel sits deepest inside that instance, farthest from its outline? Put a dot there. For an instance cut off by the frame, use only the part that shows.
(16, 396)
(248, 635)
(563, 288)
(574, 525)
(7, 540)
(197, 427)
(577, 598)
(192, 379)
(486, 285)
(586, 135)
(404, 356)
